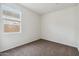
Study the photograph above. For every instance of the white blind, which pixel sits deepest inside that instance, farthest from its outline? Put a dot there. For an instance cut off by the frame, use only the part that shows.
(11, 13)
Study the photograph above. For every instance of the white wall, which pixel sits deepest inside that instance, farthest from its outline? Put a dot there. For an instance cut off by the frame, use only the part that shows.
(77, 26)
(0, 28)
(30, 31)
(59, 26)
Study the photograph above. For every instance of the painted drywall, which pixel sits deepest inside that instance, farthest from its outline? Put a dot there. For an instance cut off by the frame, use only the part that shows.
(59, 26)
(0, 28)
(30, 30)
(77, 26)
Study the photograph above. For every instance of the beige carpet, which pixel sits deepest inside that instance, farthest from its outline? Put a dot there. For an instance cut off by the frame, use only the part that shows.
(42, 48)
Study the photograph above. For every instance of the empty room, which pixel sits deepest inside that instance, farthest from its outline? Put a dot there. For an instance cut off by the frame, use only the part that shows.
(39, 29)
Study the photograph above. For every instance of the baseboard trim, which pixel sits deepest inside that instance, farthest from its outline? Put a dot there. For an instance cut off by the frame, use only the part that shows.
(60, 43)
(19, 46)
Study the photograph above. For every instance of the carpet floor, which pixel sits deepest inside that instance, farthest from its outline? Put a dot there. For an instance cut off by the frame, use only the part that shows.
(42, 48)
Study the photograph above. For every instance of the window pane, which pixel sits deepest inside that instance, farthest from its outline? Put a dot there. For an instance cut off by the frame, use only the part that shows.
(9, 11)
(11, 26)
(11, 14)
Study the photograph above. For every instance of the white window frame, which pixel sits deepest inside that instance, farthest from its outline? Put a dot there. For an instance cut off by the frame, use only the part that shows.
(3, 17)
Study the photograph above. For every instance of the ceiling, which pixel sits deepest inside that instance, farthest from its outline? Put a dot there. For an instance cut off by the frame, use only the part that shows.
(43, 8)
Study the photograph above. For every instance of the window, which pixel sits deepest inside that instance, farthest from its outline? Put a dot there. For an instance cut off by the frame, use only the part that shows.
(12, 19)
(11, 26)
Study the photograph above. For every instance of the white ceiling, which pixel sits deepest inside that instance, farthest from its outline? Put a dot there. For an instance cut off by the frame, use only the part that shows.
(43, 8)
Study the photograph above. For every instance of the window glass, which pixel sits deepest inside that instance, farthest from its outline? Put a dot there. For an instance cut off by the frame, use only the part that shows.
(12, 19)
